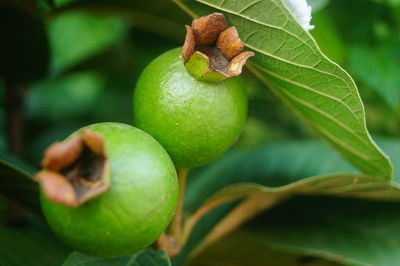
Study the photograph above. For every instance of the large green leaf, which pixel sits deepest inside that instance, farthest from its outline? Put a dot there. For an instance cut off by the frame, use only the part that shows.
(351, 231)
(291, 64)
(274, 165)
(282, 170)
(147, 257)
(348, 231)
(16, 181)
(256, 199)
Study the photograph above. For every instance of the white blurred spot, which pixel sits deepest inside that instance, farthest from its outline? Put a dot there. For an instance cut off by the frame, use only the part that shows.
(301, 11)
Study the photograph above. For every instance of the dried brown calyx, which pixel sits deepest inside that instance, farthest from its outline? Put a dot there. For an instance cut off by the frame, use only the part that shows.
(75, 170)
(213, 52)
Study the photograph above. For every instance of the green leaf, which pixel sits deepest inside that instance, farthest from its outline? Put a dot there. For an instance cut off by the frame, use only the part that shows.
(274, 165)
(256, 199)
(291, 64)
(345, 230)
(282, 170)
(30, 243)
(252, 251)
(76, 36)
(147, 257)
(348, 231)
(16, 182)
(378, 67)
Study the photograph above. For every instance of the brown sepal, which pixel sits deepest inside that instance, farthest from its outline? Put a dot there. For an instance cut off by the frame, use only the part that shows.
(94, 141)
(61, 154)
(221, 47)
(229, 43)
(75, 170)
(57, 188)
(188, 46)
(207, 29)
(236, 65)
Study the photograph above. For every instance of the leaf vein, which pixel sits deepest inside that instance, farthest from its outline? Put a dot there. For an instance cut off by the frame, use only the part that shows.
(312, 90)
(249, 5)
(328, 116)
(347, 86)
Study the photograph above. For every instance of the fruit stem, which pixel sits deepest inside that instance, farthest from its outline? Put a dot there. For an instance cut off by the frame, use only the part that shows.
(171, 242)
(193, 219)
(176, 226)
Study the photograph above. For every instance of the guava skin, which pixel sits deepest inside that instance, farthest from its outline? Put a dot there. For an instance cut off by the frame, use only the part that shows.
(195, 121)
(135, 210)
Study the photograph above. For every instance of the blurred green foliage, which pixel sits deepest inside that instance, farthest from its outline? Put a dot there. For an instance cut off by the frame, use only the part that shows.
(97, 49)
(76, 36)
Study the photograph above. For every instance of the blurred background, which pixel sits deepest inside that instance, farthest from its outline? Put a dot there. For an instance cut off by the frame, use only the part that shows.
(73, 63)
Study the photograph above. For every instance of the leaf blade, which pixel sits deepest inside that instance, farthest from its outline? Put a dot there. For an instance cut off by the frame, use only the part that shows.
(257, 198)
(289, 61)
(281, 170)
(16, 182)
(349, 230)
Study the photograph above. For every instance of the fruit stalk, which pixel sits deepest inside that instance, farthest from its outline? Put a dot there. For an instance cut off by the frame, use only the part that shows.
(173, 241)
(176, 226)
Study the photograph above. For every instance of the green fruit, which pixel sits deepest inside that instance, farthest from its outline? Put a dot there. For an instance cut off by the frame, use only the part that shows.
(196, 122)
(136, 208)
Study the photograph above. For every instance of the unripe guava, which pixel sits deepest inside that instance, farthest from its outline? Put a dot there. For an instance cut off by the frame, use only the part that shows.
(137, 206)
(195, 121)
